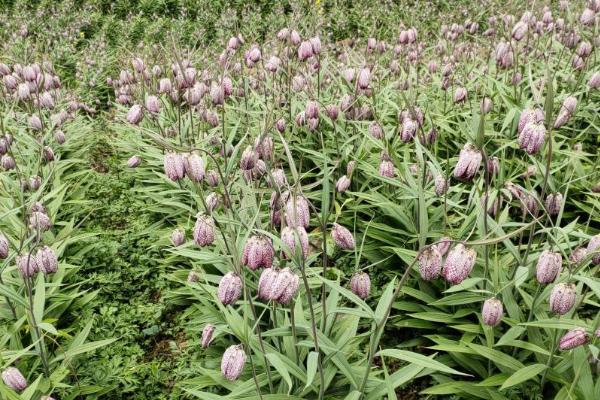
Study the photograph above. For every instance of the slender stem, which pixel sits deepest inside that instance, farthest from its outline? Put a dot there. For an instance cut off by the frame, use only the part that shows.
(313, 325)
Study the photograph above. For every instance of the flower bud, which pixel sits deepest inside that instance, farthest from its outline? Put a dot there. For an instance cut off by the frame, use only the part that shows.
(290, 236)
(174, 166)
(46, 101)
(153, 104)
(4, 246)
(13, 378)
(263, 145)
(178, 237)
(39, 220)
(468, 163)
(265, 283)
(204, 230)
(587, 17)
(459, 264)
(519, 30)
(315, 42)
(60, 137)
(8, 162)
(441, 185)
(486, 105)
(278, 178)
(46, 260)
(135, 114)
(360, 284)
(532, 137)
(305, 51)
(430, 263)
(194, 167)
(342, 237)
(460, 95)
(577, 256)
(296, 210)
(248, 159)
(342, 184)
(207, 335)
(364, 76)
(48, 154)
(212, 177)
(193, 276)
(27, 264)
(165, 86)
(23, 91)
(332, 111)
(280, 125)
(35, 123)
(230, 288)
(562, 298)
(375, 130)
(233, 362)
(573, 338)
(554, 203)
(409, 129)
(217, 94)
(534, 115)
(493, 166)
(492, 312)
(594, 247)
(35, 182)
(548, 266)
(594, 82)
(212, 201)
(134, 161)
(283, 286)
(258, 252)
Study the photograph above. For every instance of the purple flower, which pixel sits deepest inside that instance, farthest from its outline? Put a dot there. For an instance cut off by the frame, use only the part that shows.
(47, 261)
(258, 252)
(178, 237)
(342, 184)
(532, 137)
(290, 236)
(342, 237)
(296, 210)
(230, 288)
(459, 264)
(4, 246)
(430, 263)
(548, 266)
(562, 298)
(232, 363)
(14, 379)
(207, 335)
(194, 167)
(360, 284)
(174, 165)
(468, 163)
(573, 338)
(492, 312)
(594, 247)
(135, 114)
(204, 230)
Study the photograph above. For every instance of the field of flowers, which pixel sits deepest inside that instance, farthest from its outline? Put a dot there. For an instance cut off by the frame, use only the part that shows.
(313, 200)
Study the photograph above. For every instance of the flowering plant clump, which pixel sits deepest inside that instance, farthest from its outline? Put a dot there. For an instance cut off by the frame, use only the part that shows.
(411, 211)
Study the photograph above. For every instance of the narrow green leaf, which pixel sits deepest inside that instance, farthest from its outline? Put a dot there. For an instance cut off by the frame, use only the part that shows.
(522, 375)
(281, 368)
(311, 367)
(419, 359)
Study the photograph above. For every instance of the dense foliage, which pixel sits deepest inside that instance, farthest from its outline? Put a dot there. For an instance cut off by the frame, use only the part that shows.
(299, 200)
